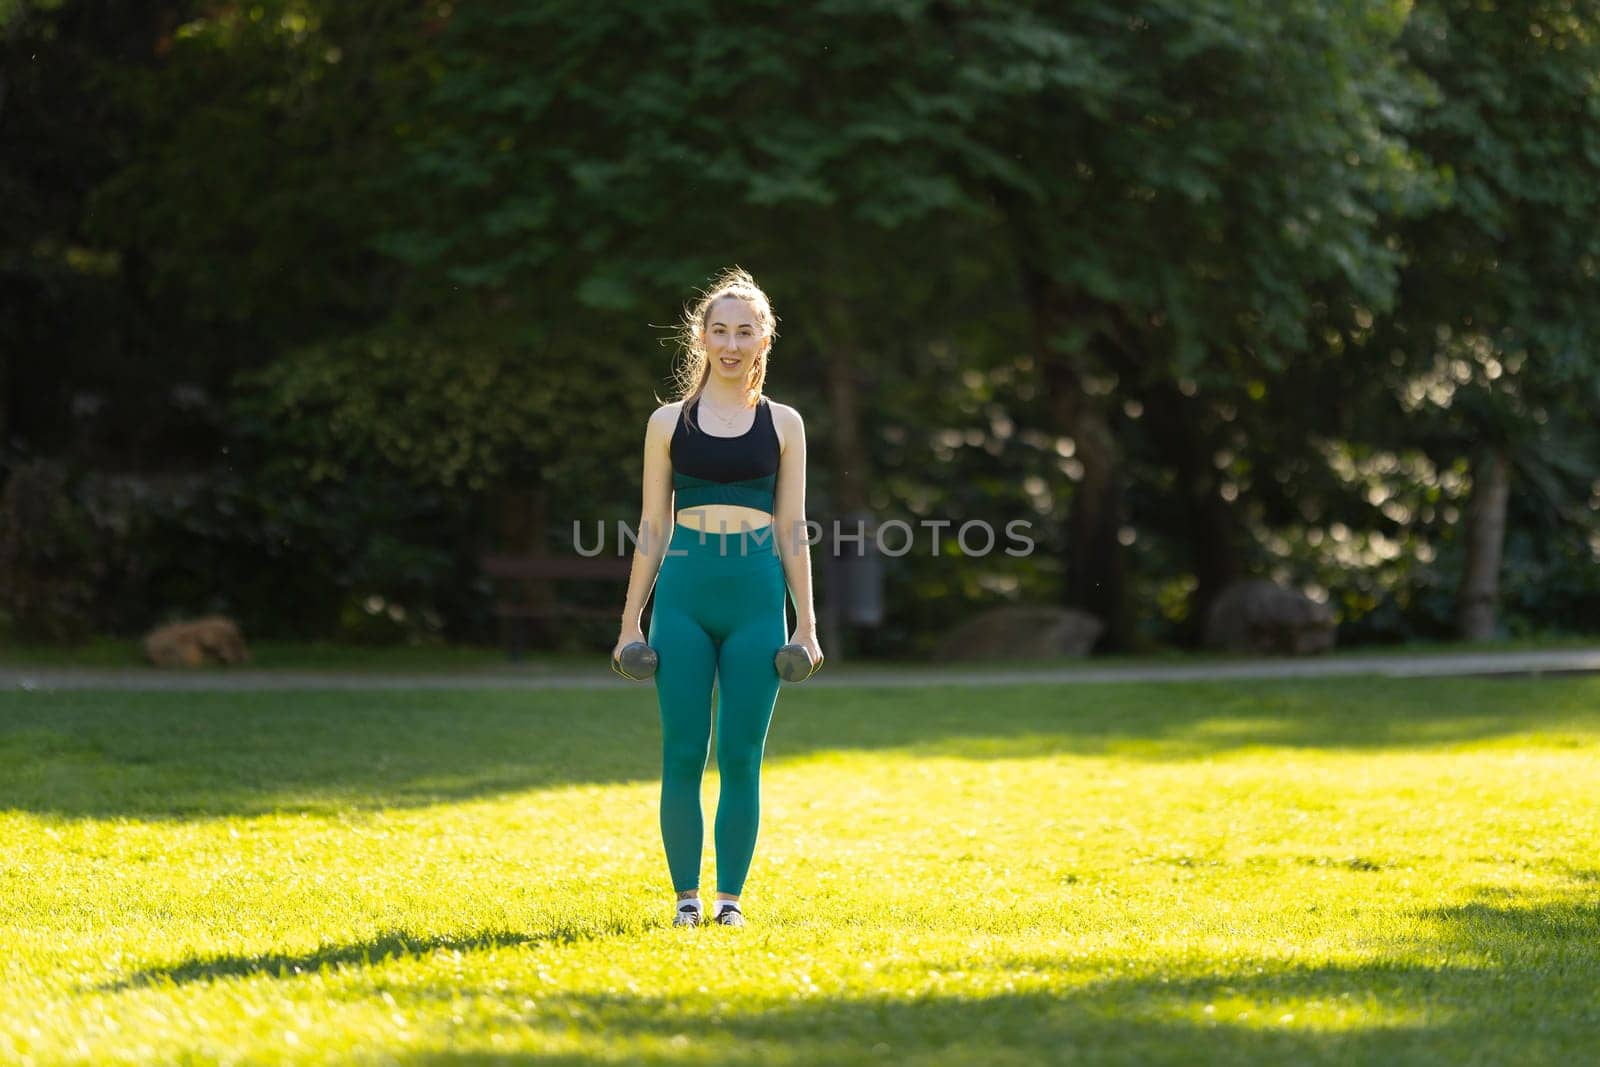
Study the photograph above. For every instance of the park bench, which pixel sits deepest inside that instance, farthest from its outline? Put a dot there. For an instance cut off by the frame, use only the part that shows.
(525, 590)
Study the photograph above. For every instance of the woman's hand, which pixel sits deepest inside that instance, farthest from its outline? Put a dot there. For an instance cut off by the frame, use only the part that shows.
(628, 636)
(807, 639)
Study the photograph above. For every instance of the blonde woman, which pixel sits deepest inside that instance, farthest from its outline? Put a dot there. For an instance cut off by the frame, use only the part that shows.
(725, 473)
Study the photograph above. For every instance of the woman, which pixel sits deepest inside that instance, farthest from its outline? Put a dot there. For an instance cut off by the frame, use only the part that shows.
(725, 472)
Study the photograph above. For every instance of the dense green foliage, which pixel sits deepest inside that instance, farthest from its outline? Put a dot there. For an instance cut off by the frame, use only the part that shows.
(1203, 290)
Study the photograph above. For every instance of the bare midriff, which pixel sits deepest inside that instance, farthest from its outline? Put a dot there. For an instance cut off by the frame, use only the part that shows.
(723, 518)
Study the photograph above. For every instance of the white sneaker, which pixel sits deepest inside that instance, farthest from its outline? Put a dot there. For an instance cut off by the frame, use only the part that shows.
(687, 913)
(728, 914)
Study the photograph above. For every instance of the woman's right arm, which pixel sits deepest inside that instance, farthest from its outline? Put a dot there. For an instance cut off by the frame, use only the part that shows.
(655, 522)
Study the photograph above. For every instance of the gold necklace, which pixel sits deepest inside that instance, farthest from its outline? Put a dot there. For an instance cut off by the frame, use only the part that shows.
(726, 420)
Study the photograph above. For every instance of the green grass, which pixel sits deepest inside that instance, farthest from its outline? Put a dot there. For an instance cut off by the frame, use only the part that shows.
(120, 653)
(1351, 871)
(116, 652)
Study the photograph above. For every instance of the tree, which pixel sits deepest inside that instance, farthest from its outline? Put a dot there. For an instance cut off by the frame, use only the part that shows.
(1193, 178)
(194, 188)
(1499, 320)
(590, 166)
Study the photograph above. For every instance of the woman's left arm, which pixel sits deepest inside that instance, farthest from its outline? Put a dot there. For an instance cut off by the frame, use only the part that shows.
(789, 527)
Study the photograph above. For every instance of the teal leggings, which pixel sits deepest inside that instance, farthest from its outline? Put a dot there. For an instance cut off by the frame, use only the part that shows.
(719, 612)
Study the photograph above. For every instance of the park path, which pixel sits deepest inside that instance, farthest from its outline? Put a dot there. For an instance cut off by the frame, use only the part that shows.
(1452, 664)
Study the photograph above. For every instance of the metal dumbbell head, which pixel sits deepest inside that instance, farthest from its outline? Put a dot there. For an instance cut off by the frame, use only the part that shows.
(793, 663)
(636, 661)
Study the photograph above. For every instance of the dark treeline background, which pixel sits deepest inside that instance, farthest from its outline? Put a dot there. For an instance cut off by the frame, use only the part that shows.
(305, 304)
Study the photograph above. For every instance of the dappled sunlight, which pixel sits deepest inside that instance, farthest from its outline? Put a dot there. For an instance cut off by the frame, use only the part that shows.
(1262, 873)
(1191, 720)
(203, 755)
(198, 756)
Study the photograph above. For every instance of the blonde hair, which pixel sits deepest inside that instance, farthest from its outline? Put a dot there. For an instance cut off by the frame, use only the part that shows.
(694, 369)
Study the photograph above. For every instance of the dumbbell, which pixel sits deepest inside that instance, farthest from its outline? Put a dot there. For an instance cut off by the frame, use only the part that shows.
(793, 663)
(636, 661)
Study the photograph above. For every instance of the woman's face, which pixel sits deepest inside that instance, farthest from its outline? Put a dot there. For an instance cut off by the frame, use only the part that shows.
(734, 338)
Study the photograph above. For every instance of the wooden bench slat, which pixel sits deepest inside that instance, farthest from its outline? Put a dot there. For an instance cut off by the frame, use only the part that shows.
(514, 616)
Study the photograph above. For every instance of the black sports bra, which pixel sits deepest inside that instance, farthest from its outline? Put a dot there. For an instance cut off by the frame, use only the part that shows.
(725, 470)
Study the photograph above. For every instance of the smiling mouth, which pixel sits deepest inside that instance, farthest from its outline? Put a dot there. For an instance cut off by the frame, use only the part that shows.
(729, 361)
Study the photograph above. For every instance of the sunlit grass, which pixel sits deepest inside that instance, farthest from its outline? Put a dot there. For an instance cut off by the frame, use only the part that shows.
(1354, 871)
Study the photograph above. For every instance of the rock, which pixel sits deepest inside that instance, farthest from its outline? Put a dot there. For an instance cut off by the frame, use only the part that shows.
(1257, 616)
(192, 642)
(1021, 632)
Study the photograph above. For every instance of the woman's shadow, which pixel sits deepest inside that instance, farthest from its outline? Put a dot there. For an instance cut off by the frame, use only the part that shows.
(388, 945)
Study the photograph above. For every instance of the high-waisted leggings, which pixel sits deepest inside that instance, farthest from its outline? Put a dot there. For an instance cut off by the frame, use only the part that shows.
(719, 613)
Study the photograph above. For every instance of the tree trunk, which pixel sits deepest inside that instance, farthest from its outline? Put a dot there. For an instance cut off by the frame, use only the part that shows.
(5, 399)
(852, 482)
(1095, 567)
(1096, 576)
(1212, 527)
(1485, 535)
(851, 475)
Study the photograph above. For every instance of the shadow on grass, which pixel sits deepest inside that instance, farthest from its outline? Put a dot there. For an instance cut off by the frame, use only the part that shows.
(1115, 1023)
(1488, 981)
(188, 755)
(392, 944)
(1491, 981)
(1512, 984)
